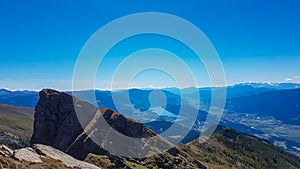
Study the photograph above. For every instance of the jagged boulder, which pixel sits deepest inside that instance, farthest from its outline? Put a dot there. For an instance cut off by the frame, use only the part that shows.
(6, 151)
(27, 154)
(68, 160)
(40, 156)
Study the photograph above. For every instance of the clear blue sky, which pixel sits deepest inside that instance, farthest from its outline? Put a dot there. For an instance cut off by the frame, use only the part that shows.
(40, 41)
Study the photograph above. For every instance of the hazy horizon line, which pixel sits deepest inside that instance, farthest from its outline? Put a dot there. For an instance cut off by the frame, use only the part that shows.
(151, 88)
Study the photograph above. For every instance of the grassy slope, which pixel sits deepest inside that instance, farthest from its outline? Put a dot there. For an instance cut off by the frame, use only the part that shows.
(16, 110)
(16, 126)
(16, 120)
(225, 149)
(231, 149)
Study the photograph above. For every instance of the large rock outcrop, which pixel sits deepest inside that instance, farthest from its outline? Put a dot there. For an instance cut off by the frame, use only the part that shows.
(55, 120)
(56, 124)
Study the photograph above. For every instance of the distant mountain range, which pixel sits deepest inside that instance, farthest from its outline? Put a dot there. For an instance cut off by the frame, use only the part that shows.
(27, 98)
(284, 105)
(271, 85)
(19, 98)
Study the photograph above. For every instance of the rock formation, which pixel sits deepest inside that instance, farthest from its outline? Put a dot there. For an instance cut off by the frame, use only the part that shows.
(59, 155)
(56, 124)
(27, 154)
(5, 151)
(41, 156)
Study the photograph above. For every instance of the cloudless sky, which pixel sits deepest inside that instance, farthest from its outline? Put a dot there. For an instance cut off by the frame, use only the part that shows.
(41, 40)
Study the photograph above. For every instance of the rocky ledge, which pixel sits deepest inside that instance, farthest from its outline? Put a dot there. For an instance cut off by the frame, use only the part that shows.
(40, 156)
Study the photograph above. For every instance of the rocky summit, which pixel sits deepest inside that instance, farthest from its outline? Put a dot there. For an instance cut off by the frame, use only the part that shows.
(57, 124)
(55, 120)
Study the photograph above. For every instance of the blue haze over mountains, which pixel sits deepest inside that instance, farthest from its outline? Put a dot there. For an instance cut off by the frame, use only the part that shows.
(270, 111)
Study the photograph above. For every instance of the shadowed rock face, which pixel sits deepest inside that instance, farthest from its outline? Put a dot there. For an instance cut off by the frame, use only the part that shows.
(56, 124)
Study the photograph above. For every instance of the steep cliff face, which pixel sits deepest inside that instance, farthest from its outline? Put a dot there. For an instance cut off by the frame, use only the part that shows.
(56, 124)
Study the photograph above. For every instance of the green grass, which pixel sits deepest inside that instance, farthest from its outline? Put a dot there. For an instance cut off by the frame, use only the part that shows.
(133, 165)
(17, 122)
